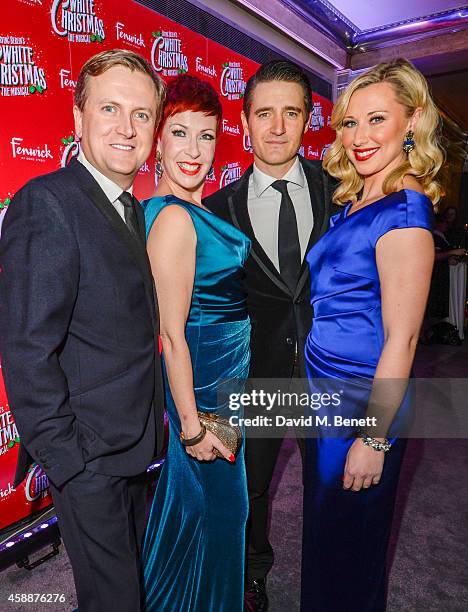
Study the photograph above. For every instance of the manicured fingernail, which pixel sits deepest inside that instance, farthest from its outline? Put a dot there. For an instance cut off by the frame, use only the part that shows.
(232, 458)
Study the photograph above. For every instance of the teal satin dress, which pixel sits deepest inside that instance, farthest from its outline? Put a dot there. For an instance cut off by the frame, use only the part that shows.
(193, 552)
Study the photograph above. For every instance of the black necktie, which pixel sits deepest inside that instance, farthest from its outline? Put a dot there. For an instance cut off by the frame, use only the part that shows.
(129, 202)
(289, 250)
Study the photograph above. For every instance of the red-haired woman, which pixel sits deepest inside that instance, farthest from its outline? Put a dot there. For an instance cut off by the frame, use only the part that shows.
(193, 554)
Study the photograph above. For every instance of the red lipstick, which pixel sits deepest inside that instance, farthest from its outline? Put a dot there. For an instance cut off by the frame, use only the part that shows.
(364, 154)
(195, 168)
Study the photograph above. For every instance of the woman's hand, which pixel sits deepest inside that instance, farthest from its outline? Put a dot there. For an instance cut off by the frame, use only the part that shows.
(204, 450)
(363, 466)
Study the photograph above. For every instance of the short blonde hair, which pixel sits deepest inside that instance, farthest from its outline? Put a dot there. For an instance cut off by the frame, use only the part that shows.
(100, 63)
(423, 162)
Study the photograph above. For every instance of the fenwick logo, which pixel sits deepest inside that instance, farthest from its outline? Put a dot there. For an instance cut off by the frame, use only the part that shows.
(208, 70)
(133, 39)
(39, 153)
(65, 80)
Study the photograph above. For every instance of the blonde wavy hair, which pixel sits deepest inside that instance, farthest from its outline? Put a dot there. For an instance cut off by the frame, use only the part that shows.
(423, 162)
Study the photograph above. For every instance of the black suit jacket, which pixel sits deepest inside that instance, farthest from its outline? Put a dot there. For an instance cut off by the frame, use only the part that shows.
(279, 318)
(78, 331)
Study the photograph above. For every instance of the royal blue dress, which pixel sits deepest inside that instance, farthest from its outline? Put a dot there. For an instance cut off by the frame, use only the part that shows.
(346, 533)
(193, 552)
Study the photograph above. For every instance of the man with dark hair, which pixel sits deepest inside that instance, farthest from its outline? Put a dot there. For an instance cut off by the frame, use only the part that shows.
(283, 203)
(282, 71)
(78, 331)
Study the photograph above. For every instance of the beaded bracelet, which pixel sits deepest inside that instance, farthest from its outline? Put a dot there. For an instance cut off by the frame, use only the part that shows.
(367, 440)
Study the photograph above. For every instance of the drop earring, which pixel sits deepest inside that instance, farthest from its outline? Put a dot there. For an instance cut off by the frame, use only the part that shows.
(408, 143)
(159, 169)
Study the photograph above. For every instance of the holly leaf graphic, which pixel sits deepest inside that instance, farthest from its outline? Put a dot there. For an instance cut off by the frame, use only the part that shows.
(32, 89)
(7, 201)
(99, 38)
(71, 139)
(93, 38)
(65, 141)
(11, 444)
(39, 89)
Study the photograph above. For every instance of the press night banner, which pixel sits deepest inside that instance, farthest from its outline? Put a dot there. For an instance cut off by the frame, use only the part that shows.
(43, 44)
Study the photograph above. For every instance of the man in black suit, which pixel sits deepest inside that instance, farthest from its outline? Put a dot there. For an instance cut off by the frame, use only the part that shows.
(283, 203)
(79, 329)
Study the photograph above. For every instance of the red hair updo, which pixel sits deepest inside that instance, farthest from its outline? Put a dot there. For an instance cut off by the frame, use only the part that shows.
(190, 93)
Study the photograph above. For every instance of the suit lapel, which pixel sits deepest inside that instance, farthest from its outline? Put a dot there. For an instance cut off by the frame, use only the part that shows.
(238, 208)
(102, 203)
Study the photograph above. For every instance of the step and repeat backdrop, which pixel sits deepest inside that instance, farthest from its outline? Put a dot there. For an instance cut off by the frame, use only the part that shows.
(43, 44)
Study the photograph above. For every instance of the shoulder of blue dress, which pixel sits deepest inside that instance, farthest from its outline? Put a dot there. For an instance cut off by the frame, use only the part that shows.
(153, 206)
(416, 198)
(404, 208)
(403, 200)
(153, 202)
(419, 209)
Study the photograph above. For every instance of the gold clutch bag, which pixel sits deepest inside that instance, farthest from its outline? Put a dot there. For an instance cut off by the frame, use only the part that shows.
(230, 435)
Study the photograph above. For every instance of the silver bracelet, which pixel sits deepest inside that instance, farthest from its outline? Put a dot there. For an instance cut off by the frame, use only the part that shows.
(384, 446)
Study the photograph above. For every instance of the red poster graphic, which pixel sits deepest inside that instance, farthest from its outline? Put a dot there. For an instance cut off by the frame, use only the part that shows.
(43, 44)
(32, 494)
(319, 134)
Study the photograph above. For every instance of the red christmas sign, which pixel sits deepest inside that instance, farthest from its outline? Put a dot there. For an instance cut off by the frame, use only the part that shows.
(43, 44)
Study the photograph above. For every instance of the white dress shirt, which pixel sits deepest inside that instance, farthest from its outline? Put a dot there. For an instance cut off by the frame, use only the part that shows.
(111, 189)
(264, 206)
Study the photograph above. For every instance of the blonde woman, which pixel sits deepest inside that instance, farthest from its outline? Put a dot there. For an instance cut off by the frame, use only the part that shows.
(370, 276)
